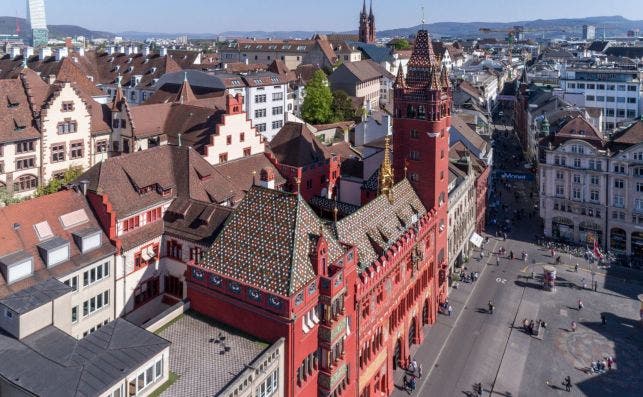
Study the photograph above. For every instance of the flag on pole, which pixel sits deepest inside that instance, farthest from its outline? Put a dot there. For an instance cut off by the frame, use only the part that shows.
(596, 251)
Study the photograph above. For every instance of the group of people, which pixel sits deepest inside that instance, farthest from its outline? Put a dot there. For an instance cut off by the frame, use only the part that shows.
(413, 371)
(530, 326)
(446, 308)
(600, 366)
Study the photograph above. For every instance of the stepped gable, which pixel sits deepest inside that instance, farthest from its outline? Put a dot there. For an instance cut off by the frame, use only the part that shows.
(378, 224)
(267, 242)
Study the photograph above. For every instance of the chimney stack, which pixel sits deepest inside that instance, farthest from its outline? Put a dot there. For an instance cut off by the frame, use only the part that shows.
(80, 51)
(121, 49)
(146, 51)
(163, 51)
(83, 186)
(267, 178)
(111, 50)
(28, 53)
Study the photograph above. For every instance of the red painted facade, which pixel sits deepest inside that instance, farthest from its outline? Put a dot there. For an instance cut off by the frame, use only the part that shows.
(321, 361)
(368, 319)
(313, 179)
(421, 138)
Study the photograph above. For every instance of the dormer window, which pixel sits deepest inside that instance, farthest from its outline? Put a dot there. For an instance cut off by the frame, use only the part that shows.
(54, 251)
(12, 102)
(16, 266)
(87, 239)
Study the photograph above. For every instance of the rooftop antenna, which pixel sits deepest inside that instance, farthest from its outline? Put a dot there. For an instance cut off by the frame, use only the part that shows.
(422, 20)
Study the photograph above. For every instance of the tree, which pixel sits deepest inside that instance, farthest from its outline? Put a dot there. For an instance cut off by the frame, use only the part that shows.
(57, 184)
(316, 108)
(342, 106)
(7, 198)
(401, 44)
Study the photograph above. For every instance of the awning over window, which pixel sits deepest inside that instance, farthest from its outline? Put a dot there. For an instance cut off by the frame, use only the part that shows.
(476, 239)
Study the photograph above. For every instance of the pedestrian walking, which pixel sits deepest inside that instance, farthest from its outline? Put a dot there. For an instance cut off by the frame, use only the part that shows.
(414, 365)
(450, 310)
(580, 305)
(576, 268)
(603, 319)
(420, 370)
(595, 285)
(573, 326)
(610, 361)
(568, 383)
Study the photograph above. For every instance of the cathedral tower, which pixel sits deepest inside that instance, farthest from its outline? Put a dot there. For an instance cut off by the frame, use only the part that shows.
(367, 25)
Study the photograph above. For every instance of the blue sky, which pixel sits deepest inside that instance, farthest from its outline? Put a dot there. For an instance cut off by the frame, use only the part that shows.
(214, 16)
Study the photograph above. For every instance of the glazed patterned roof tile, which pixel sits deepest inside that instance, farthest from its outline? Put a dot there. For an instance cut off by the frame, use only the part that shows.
(380, 222)
(266, 242)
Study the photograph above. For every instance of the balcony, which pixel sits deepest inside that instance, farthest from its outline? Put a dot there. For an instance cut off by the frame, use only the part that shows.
(330, 333)
(328, 380)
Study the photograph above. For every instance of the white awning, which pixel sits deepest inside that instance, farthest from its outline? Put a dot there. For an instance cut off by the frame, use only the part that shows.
(476, 239)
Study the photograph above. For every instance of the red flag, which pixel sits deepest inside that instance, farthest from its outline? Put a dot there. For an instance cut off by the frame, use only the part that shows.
(596, 251)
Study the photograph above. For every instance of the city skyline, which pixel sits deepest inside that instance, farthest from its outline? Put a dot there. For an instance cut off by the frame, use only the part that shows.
(201, 16)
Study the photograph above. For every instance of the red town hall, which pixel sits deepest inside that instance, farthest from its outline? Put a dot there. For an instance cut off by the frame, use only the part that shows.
(350, 295)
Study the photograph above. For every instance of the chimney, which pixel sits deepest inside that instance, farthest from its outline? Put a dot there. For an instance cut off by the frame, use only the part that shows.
(121, 49)
(246, 61)
(52, 79)
(44, 53)
(267, 178)
(111, 50)
(15, 52)
(146, 51)
(61, 53)
(163, 51)
(83, 186)
(28, 52)
(80, 51)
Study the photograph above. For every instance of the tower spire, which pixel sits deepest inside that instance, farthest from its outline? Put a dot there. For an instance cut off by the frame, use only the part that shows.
(185, 94)
(399, 79)
(370, 14)
(385, 184)
(364, 8)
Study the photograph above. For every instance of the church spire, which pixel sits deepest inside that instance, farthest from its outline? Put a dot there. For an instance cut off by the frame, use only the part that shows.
(364, 8)
(185, 94)
(385, 185)
(399, 79)
(370, 14)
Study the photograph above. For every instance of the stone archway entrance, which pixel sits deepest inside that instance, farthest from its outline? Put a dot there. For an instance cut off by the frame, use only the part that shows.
(397, 353)
(412, 332)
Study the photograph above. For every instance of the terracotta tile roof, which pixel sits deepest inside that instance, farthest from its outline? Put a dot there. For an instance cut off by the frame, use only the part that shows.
(632, 135)
(295, 145)
(305, 72)
(18, 232)
(344, 150)
(278, 66)
(242, 67)
(470, 135)
(16, 120)
(168, 166)
(378, 224)
(68, 71)
(195, 220)
(240, 176)
(363, 71)
(267, 242)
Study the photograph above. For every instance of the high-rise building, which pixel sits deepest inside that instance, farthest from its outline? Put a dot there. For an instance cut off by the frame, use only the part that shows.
(589, 32)
(37, 20)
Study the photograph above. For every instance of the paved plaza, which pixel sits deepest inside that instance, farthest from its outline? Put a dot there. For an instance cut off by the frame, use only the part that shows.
(197, 355)
(473, 346)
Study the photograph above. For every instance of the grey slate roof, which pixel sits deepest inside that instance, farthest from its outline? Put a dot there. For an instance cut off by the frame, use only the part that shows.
(35, 296)
(54, 364)
(378, 224)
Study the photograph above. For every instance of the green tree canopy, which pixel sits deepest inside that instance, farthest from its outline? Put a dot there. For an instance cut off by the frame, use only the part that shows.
(56, 184)
(316, 108)
(401, 44)
(342, 106)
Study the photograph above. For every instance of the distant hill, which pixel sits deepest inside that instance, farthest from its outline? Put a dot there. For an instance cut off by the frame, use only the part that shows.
(8, 26)
(611, 25)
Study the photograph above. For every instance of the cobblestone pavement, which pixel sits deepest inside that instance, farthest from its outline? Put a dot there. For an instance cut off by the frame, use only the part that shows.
(199, 361)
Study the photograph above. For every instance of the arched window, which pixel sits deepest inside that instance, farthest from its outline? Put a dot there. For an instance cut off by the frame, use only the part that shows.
(410, 112)
(25, 183)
